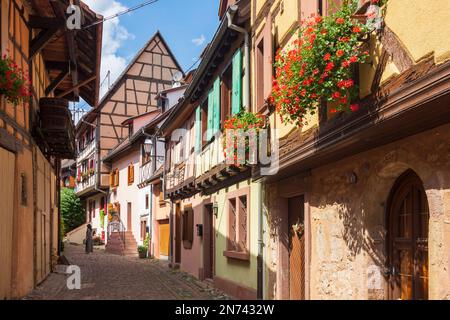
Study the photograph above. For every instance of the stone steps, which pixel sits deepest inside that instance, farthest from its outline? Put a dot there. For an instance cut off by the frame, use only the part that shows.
(116, 246)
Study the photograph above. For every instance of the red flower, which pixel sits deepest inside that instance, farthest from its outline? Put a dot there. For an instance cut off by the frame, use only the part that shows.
(353, 59)
(340, 53)
(344, 39)
(327, 57)
(333, 110)
(329, 66)
(336, 95)
(340, 20)
(354, 107)
(346, 64)
(318, 19)
(356, 29)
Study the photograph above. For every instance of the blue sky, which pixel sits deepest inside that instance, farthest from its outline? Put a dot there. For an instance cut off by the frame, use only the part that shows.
(186, 25)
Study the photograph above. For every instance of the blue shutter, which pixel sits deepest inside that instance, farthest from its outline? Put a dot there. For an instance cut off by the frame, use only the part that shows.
(236, 99)
(198, 129)
(210, 127)
(216, 116)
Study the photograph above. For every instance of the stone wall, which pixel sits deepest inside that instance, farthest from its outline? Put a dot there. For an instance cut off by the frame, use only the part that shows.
(346, 203)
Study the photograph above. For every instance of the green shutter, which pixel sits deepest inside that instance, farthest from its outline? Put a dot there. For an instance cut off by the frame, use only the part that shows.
(210, 115)
(198, 129)
(216, 116)
(236, 99)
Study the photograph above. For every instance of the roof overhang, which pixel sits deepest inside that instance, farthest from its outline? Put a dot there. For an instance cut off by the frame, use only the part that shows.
(71, 57)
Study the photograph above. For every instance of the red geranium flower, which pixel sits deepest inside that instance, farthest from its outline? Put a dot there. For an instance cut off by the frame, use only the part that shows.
(327, 57)
(353, 59)
(356, 29)
(354, 107)
(340, 53)
(340, 20)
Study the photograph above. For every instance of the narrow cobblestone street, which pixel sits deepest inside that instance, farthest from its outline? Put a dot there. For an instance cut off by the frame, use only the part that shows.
(106, 276)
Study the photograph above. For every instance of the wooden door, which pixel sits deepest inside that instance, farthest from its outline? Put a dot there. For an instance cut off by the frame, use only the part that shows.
(164, 238)
(129, 217)
(296, 248)
(408, 239)
(208, 243)
(178, 233)
(7, 169)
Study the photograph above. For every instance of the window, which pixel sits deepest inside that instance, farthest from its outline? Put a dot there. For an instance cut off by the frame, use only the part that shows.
(130, 174)
(204, 121)
(146, 201)
(188, 227)
(160, 193)
(143, 229)
(226, 93)
(238, 242)
(260, 74)
(114, 178)
(130, 129)
(146, 156)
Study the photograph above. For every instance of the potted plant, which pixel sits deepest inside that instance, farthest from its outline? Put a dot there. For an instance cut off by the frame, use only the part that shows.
(243, 125)
(14, 83)
(142, 250)
(319, 65)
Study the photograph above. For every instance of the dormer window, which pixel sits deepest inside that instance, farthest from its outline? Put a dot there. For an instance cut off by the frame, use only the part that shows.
(130, 129)
(163, 103)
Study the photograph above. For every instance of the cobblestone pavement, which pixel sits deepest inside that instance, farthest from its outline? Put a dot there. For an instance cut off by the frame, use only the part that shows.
(107, 276)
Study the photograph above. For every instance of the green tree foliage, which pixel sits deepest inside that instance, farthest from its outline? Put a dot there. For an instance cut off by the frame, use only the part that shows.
(72, 211)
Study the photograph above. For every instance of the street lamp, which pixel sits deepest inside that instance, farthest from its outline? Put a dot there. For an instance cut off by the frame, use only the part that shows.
(148, 144)
(215, 209)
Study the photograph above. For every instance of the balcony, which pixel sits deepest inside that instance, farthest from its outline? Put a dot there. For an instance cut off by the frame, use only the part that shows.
(85, 185)
(86, 152)
(146, 171)
(56, 129)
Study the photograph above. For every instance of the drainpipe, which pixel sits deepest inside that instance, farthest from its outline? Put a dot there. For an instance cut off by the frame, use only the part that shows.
(260, 258)
(230, 16)
(96, 184)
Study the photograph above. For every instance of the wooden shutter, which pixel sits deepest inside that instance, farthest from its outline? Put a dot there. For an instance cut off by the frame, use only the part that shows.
(111, 179)
(232, 225)
(190, 225)
(116, 178)
(236, 99)
(210, 128)
(198, 129)
(268, 57)
(130, 174)
(216, 115)
(242, 245)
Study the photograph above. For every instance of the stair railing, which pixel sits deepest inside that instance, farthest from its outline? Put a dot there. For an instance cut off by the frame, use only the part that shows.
(117, 226)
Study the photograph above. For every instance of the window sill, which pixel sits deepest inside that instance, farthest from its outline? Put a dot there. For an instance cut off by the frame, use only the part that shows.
(245, 256)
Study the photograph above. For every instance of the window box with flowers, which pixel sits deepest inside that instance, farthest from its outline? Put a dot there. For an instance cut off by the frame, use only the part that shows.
(319, 66)
(242, 132)
(14, 83)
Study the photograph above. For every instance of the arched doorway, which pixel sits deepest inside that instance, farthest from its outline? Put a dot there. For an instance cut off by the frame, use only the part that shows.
(407, 239)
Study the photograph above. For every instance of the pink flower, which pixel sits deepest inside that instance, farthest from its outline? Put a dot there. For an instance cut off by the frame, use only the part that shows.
(354, 107)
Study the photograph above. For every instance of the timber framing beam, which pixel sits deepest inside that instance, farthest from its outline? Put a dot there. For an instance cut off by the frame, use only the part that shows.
(85, 82)
(60, 78)
(43, 37)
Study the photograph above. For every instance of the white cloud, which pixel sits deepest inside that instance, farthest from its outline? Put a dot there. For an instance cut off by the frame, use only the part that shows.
(114, 36)
(199, 41)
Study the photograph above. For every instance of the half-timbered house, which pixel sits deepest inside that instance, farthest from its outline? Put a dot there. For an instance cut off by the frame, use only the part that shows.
(38, 132)
(359, 208)
(214, 217)
(107, 125)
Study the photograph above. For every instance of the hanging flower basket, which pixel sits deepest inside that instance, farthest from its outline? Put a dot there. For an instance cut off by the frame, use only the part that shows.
(242, 131)
(318, 66)
(14, 83)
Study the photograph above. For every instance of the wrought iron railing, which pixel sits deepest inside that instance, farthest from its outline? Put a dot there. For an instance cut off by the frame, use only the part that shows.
(117, 226)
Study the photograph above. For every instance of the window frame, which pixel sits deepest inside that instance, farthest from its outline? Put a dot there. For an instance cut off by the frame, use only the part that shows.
(237, 253)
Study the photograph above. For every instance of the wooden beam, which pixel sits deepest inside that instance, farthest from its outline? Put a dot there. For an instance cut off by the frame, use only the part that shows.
(83, 83)
(60, 78)
(38, 22)
(39, 42)
(56, 65)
